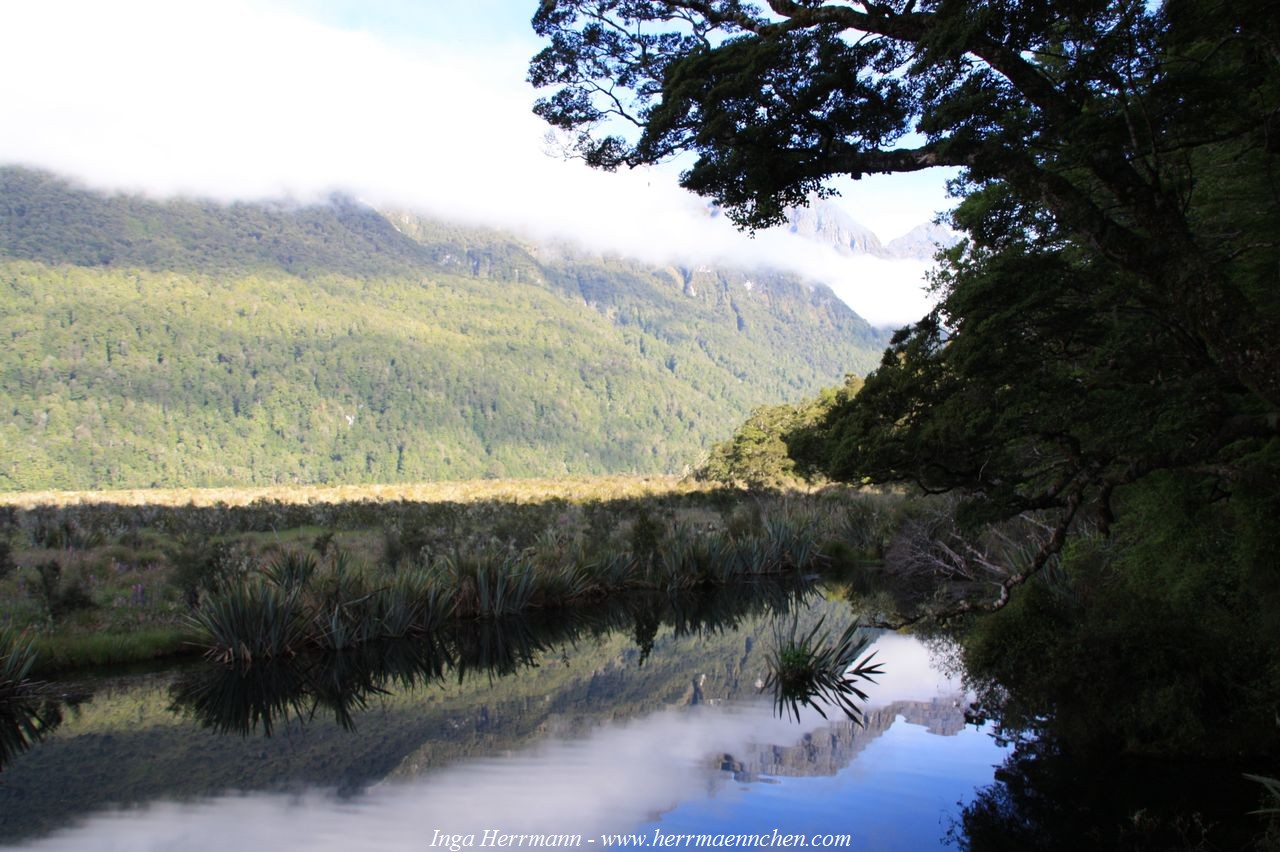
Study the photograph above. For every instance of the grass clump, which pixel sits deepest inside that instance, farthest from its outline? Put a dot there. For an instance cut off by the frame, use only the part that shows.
(250, 621)
(22, 722)
(486, 584)
(296, 603)
(17, 659)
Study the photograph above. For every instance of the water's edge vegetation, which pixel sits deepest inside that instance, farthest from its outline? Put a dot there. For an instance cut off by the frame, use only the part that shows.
(105, 582)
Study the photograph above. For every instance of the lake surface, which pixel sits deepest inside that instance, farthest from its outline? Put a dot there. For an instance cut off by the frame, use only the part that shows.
(644, 721)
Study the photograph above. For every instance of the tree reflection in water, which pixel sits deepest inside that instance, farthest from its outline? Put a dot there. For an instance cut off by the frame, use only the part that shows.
(1047, 796)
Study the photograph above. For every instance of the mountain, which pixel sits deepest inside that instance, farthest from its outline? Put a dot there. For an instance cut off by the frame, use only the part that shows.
(824, 222)
(186, 343)
(922, 241)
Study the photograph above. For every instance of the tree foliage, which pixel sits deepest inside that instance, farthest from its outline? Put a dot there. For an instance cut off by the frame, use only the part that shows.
(1113, 310)
(763, 451)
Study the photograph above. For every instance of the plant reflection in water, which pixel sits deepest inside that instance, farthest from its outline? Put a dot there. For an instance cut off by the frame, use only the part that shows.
(808, 668)
(266, 695)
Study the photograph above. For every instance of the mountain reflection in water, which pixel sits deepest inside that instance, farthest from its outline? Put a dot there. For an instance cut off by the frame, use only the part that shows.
(626, 718)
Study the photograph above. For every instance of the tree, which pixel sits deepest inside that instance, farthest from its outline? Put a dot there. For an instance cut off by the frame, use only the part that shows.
(1092, 111)
(1114, 310)
(763, 452)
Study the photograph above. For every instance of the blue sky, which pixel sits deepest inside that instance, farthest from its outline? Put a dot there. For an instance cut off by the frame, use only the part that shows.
(419, 105)
(471, 22)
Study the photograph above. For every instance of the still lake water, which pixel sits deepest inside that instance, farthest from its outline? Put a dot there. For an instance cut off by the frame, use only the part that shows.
(646, 722)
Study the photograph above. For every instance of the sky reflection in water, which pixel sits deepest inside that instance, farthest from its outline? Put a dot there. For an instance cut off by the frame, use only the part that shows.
(726, 765)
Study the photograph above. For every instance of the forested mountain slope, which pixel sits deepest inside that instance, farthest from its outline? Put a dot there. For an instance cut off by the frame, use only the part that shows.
(189, 343)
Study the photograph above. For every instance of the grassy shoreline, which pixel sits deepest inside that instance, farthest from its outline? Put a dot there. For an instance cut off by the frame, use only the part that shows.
(100, 578)
(58, 653)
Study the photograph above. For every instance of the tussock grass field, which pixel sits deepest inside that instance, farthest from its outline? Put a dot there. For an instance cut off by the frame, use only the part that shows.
(118, 576)
(572, 489)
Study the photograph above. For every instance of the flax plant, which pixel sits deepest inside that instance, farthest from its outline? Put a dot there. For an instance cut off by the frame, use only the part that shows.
(17, 656)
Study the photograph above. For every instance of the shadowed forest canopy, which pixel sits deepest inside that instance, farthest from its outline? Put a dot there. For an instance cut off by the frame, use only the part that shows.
(1113, 310)
(1100, 380)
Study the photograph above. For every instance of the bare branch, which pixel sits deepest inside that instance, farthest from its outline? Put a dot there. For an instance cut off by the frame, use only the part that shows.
(1046, 551)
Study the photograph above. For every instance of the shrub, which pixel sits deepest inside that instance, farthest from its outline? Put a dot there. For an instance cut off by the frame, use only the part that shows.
(60, 598)
(7, 565)
(202, 566)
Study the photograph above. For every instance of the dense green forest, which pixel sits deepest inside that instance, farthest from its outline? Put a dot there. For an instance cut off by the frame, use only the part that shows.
(187, 343)
(1098, 388)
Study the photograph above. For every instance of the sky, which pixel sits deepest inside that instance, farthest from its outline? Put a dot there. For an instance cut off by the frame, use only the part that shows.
(416, 104)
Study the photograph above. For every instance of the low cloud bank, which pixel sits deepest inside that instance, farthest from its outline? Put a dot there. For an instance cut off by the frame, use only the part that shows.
(238, 101)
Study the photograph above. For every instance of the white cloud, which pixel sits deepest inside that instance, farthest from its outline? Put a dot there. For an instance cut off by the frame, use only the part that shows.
(236, 100)
(609, 778)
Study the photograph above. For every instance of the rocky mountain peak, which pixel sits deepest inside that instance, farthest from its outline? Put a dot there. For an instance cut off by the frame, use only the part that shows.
(825, 222)
(922, 241)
